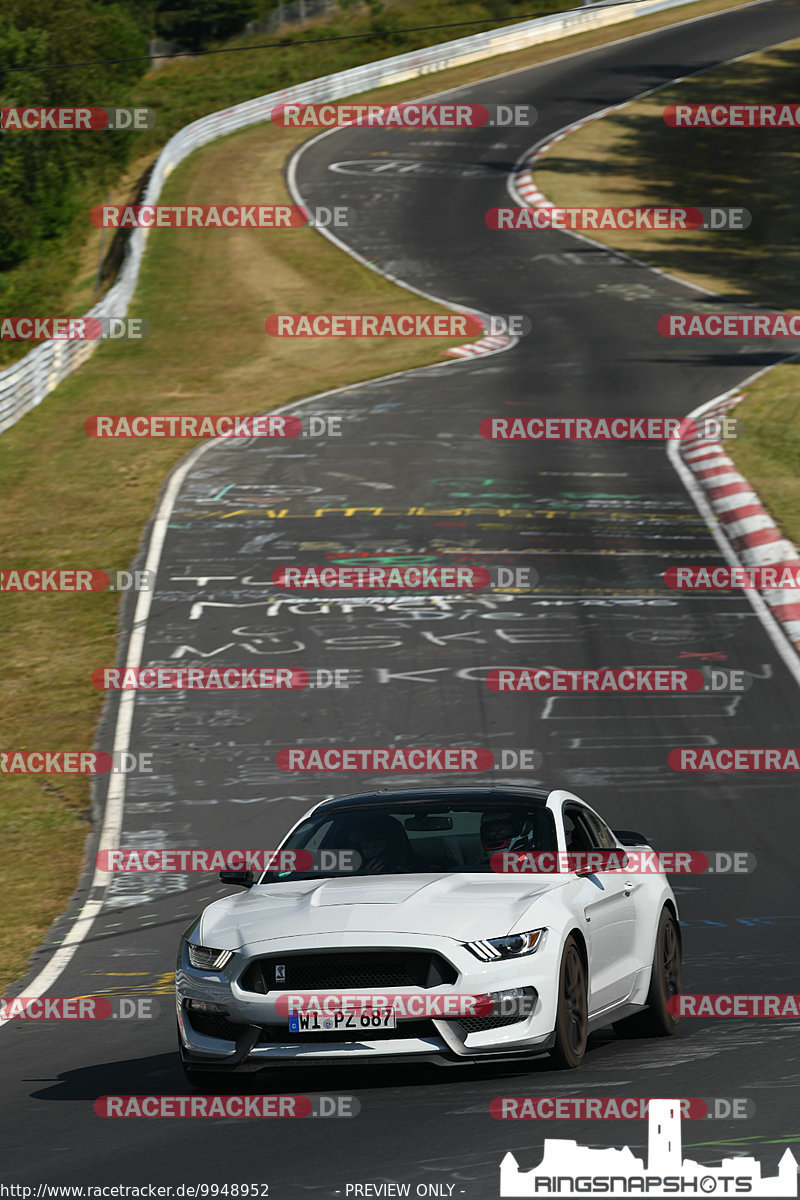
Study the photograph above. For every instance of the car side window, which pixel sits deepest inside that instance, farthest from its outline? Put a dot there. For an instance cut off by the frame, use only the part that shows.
(603, 837)
(577, 833)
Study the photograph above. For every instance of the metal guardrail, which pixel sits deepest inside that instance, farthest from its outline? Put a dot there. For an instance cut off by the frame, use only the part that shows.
(25, 384)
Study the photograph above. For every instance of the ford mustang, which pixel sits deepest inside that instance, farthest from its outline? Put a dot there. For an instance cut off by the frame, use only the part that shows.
(453, 924)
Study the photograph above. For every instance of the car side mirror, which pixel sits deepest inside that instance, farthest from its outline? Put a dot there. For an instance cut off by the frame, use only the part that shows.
(244, 879)
(627, 837)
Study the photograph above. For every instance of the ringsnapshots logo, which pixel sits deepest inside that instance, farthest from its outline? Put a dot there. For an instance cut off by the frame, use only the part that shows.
(567, 1169)
(408, 115)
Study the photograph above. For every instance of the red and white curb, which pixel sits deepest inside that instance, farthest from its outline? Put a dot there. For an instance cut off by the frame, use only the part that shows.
(486, 345)
(523, 183)
(750, 531)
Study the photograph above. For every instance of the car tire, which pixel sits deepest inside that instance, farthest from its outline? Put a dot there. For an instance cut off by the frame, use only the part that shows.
(665, 982)
(572, 1013)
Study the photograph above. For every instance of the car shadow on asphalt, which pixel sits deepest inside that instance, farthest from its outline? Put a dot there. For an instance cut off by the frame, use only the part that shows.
(161, 1074)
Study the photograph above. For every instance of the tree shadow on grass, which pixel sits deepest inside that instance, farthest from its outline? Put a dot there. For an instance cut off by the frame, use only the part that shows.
(753, 168)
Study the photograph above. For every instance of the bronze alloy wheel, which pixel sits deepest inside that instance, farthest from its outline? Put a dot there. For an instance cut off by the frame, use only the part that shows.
(572, 1016)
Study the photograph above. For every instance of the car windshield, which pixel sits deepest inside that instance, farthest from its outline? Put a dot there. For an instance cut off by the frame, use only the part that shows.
(418, 836)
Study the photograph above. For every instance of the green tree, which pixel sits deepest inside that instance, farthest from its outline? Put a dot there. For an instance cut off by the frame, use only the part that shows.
(41, 171)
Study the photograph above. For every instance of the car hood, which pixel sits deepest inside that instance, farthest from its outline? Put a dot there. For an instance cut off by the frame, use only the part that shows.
(463, 907)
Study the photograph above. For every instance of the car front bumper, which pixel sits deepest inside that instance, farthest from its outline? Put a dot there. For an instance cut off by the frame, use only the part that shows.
(253, 1031)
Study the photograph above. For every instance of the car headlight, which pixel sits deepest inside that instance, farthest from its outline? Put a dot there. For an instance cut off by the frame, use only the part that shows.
(204, 958)
(515, 945)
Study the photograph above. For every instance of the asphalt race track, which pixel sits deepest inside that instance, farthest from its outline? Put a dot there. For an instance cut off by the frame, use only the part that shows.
(410, 476)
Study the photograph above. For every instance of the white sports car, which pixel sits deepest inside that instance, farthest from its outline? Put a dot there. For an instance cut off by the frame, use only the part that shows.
(424, 930)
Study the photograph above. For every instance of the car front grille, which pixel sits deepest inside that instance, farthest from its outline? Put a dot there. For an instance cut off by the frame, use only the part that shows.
(334, 971)
(469, 1025)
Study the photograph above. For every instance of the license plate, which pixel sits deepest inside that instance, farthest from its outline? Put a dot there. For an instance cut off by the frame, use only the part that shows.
(317, 1021)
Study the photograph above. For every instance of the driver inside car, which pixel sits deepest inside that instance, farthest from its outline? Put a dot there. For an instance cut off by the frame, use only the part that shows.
(505, 831)
(384, 847)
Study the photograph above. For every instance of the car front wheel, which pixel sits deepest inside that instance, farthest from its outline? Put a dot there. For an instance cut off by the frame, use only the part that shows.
(572, 1016)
